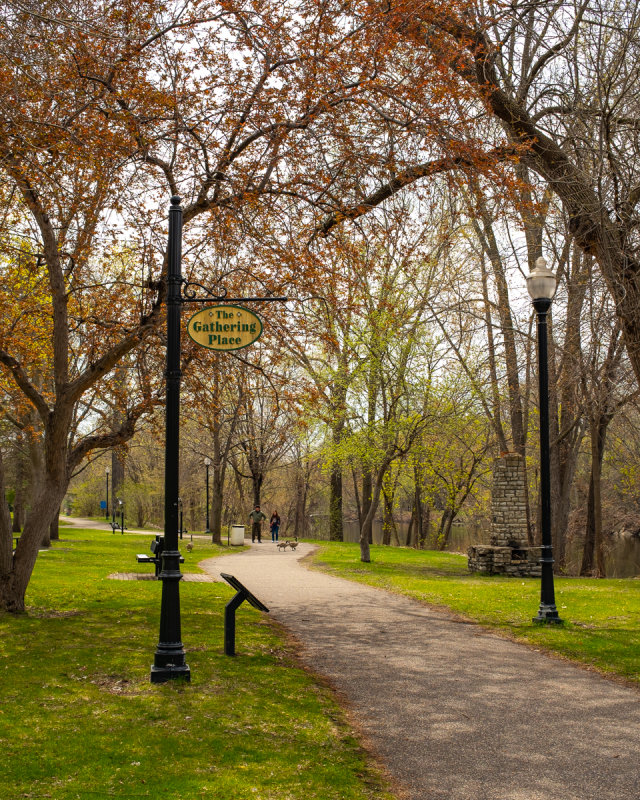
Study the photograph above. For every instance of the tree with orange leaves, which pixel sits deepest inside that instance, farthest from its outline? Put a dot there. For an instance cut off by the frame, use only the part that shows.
(246, 109)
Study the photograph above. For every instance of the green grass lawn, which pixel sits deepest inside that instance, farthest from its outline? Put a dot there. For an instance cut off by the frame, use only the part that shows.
(80, 719)
(601, 617)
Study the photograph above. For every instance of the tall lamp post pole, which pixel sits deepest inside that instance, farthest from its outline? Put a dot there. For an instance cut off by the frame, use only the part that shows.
(541, 284)
(169, 661)
(106, 510)
(121, 509)
(207, 464)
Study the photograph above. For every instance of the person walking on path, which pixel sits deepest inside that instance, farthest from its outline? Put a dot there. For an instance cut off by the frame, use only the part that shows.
(256, 517)
(274, 525)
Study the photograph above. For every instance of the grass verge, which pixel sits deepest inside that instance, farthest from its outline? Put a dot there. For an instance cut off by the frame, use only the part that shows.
(80, 719)
(601, 618)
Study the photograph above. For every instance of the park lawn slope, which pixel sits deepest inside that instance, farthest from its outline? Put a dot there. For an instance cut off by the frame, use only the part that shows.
(80, 719)
(601, 618)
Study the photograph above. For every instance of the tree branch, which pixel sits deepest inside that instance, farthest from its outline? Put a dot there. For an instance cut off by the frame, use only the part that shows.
(24, 384)
(411, 175)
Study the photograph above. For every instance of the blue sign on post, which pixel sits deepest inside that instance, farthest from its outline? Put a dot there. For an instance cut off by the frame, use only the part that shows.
(103, 504)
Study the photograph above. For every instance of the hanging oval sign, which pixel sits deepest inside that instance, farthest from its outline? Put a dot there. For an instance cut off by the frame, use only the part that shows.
(224, 327)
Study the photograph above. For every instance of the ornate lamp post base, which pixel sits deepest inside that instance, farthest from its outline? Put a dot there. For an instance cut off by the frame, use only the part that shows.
(547, 614)
(169, 659)
(170, 671)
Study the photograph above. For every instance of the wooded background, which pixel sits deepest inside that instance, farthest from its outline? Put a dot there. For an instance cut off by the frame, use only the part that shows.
(395, 169)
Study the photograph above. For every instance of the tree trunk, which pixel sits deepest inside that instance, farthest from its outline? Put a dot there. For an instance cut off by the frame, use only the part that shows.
(564, 469)
(566, 428)
(368, 514)
(367, 523)
(46, 536)
(418, 510)
(507, 328)
(444, 530)
(426, 527)
(407, 541)
(54, 528)
(18, 501)
(18, 511)
(240, 489)
(356, 495)
(6, 538)
(299, 529)
(215, 520)
(193, 511)
(14, 581)
(117, 481)
(387, 518)
(367, 518)
(587, 567)
(593, 553)
(335, 504)
(496, 419)
(256, 484)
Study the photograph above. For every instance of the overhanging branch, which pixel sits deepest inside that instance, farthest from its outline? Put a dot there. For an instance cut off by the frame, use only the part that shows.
(411, 175)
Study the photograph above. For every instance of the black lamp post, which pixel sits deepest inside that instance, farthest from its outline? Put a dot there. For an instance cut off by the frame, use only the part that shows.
(121, 510)
(169, 661)
(106, 510)
(180, 507)
(541, 285)
(207, 464)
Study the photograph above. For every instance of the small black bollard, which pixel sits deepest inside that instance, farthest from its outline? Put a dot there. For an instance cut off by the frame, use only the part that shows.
(230, 611)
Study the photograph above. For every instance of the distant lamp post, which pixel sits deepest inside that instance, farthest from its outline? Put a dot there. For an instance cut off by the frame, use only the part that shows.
(106, 510)
(180, 507)
(121, 509)
(207, 464)
(541, 284)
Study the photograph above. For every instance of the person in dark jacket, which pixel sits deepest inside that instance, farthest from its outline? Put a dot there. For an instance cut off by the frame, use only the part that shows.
(274, 525)
(256, 517)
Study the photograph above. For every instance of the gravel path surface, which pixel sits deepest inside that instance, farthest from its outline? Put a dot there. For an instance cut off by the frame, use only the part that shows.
(455, 712)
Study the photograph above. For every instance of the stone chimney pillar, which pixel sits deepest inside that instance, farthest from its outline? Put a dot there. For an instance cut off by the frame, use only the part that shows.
(508, 502)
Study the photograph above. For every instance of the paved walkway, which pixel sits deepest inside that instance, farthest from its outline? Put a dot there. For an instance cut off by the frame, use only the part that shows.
(454, 712)
(98, 524)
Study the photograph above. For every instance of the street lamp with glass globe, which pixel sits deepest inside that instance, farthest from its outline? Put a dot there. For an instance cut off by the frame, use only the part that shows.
(541, 284)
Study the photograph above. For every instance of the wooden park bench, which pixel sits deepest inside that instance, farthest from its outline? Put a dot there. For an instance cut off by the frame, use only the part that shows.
(157, 546)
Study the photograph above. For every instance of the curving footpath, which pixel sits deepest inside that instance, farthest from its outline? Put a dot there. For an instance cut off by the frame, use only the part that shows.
(454, 712)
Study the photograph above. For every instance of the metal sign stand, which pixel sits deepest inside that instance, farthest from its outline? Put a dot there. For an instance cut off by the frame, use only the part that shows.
(230, 611)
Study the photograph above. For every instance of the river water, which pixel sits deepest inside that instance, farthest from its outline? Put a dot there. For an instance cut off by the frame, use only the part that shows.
(622, 553)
